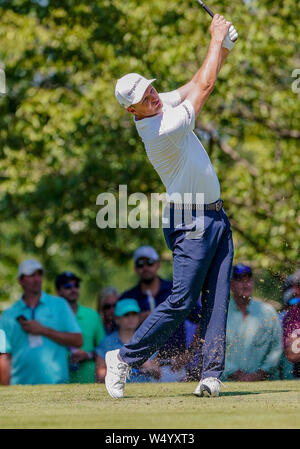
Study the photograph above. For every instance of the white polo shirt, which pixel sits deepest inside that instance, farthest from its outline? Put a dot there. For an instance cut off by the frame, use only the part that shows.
(175, 151)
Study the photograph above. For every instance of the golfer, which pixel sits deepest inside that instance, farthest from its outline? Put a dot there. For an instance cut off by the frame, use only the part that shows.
(201, 260)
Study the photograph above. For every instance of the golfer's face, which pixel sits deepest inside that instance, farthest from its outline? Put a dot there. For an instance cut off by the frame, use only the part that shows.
(150, 104)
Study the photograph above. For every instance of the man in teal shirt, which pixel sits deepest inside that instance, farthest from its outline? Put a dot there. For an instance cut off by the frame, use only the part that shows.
(38, 328)
(82, 361)
(254, 336)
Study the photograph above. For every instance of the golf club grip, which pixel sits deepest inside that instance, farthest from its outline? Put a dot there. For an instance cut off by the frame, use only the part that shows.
(209, 11)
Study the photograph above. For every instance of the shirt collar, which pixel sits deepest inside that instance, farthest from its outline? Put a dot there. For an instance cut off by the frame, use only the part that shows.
(236, 309)
(42, 300)
(163, 286)
(79, 312)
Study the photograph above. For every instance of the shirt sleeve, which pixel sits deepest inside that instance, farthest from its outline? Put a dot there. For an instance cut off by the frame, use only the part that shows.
(5, 345)
(176, 122)
(101, 350)
(172, 98)
(68, 318)
(100, 332)
(275, 349)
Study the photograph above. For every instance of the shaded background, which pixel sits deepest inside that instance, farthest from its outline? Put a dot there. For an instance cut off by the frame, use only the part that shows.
(64, 139)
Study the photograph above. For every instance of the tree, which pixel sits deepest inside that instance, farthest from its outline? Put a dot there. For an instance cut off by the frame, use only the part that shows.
(64, 139)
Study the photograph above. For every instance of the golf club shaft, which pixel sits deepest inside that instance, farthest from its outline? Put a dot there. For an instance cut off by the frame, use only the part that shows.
(209, 11)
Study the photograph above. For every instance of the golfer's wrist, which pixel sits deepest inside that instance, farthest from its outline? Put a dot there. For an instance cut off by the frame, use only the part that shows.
(216, 41)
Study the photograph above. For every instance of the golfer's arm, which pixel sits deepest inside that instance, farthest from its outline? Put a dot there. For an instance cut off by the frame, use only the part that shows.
(5, 366)
(186, 89)
(223, 56)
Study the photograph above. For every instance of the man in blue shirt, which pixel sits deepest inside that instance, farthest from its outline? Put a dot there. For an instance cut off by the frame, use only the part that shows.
(254, 336)
(38, 330)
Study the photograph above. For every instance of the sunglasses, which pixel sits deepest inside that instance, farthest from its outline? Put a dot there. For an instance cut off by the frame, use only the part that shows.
(294, 301)
(109, 306)
(142, 263)
(69, 285)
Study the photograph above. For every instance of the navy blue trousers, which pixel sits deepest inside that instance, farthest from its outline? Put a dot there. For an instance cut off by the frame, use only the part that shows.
(200, 264)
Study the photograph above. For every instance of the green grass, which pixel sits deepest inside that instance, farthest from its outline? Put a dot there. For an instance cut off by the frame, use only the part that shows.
(268, 405)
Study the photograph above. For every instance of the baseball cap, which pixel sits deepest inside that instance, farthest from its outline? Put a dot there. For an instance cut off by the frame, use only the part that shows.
(126, 305)
(145, 251)
(240, 270)
(28, 267)
(131, 88)
(65, 277)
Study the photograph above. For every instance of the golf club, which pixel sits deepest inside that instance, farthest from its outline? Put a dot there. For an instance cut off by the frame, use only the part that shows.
(206, 8)
(209, 11)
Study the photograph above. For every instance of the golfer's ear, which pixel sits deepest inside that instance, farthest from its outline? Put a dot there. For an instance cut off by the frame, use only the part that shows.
(130, 109)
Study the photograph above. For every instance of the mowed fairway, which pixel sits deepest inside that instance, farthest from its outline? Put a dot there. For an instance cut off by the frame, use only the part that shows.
(152, 406)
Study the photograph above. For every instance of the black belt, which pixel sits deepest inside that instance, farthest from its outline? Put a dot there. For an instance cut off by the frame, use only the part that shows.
(217, 206)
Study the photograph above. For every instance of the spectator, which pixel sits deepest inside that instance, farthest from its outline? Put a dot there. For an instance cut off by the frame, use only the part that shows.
(127, 318)
(107, 300)
(291, 326)
(38, 329)
(82, 361)
(149, 293)
(254, 338)
(151, 289)
(286, 368)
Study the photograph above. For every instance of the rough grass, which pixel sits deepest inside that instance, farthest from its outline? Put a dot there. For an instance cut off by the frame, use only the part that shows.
(258, 405)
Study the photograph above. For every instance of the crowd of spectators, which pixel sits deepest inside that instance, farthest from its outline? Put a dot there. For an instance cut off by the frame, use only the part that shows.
(46, 339)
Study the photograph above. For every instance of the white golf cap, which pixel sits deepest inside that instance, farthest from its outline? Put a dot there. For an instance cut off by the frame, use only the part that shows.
(28, 267)
(131, 88)
(145, 251)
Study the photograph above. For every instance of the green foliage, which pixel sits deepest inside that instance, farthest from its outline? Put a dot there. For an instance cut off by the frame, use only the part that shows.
(64, 139)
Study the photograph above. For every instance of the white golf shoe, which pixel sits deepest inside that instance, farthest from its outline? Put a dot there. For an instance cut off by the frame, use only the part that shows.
(116, 374)
(208, 387)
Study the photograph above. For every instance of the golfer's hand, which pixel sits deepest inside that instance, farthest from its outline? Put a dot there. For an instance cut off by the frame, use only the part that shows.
(32, 327)
(231, 38)
(219, 28)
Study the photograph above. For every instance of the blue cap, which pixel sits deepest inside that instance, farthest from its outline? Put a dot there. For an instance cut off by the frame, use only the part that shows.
(65, 277)
(240, 270)
(126, 306)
